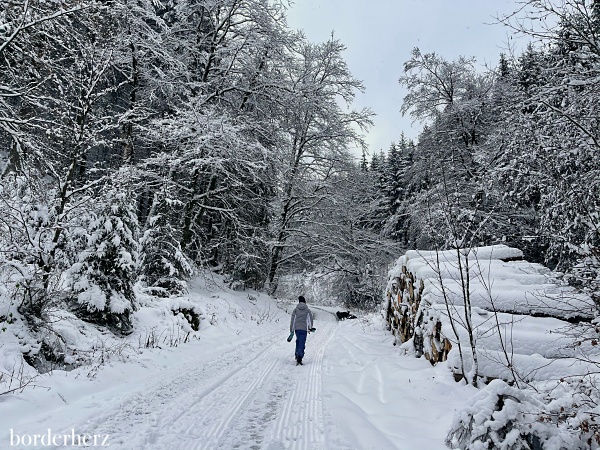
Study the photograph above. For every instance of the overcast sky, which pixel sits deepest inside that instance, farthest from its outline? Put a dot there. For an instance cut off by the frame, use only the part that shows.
(380, 34)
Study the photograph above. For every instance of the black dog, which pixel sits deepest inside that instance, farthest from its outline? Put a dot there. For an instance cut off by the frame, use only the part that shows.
(344, 315)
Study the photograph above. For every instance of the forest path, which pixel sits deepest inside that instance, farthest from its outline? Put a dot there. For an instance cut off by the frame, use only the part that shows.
(238, 387)
(252, 396)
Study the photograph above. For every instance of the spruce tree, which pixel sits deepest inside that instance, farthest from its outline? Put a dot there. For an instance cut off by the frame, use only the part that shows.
(106, 272)
(163, 265)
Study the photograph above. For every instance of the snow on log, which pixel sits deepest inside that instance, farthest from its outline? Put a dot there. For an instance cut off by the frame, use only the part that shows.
(516, 309)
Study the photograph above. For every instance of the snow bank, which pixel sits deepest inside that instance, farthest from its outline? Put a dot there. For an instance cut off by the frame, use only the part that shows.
(104, 368)
(66, 342)
(378, 400)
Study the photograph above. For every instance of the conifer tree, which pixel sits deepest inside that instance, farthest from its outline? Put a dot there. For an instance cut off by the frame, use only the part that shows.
(104, 276)
(163, 264)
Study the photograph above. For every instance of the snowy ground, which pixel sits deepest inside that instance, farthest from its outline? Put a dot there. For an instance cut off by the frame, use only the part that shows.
(237, 386)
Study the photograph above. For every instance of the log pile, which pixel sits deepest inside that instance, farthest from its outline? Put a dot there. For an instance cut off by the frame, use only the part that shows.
(513, 308)
(408, 320)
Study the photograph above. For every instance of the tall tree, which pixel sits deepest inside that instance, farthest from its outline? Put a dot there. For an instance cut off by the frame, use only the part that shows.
(454, 99)
(316, 134)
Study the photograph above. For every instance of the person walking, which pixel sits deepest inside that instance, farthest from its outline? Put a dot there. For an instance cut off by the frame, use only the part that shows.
(302, 324)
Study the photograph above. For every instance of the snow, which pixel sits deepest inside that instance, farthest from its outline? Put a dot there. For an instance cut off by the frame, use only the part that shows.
(234, 383)
(118, 303)
(92, 295)
(380, 400)
(537, 346)
(520, 336)
(511, 423)
(514, 286)
(489, 252)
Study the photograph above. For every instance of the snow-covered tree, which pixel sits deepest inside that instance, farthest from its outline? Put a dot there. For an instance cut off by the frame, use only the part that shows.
(28, 33)
(551, 137)
(346, 241)
(316, 133)
(106, 270)
(400, 184)
(163, 264)
(219, 173)
(232, 125)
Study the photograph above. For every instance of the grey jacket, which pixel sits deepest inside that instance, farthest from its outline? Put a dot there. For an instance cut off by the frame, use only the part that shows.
(302, 318)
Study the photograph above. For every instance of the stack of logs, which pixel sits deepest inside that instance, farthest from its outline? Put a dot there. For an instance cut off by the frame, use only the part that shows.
(406, 320)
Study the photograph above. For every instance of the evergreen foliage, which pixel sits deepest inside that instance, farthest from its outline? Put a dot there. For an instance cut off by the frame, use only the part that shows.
(106, 270)
(164, 266)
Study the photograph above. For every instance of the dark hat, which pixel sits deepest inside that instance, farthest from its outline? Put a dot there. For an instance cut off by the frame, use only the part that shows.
(301, 299)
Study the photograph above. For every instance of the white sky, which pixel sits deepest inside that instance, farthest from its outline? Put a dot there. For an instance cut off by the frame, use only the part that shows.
(380, 34)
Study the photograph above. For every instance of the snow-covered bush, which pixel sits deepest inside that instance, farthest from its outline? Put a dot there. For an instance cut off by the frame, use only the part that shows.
(502, 417)
(26, 244)
(106, 271)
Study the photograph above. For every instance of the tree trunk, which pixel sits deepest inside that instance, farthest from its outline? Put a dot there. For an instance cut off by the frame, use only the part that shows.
(128, 151)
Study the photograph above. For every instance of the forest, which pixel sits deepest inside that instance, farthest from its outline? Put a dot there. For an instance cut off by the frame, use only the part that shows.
(142, 141)
(508, 155)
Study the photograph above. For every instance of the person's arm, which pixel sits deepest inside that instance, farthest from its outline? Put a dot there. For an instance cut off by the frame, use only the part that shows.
(293, 319)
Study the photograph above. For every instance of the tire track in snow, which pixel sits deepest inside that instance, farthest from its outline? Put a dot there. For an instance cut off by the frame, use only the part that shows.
(252, 423)
(251, 397)
(138, 419)
(222, 411)
(248, 411)
(203, 422)
(212, 438)
(300, 424)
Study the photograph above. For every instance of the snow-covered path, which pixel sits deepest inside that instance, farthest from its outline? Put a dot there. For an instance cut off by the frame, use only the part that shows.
(238, 387)
(250, 396)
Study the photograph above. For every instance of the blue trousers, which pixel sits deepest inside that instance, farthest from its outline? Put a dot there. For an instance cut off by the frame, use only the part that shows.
(300, 342)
